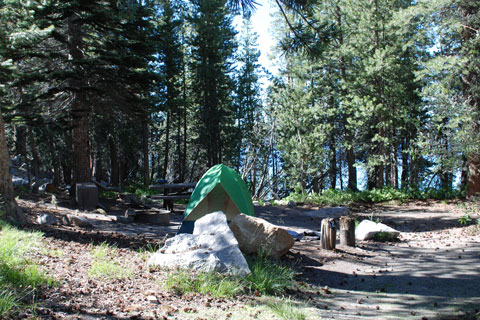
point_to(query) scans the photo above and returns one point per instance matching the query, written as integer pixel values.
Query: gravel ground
(431, 272)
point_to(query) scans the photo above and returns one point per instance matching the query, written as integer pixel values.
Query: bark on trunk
(167, 147)
(10, 210)
(33, 148)
(80, 109)
(55, 162)
(333, 164)
(115, 174)
(146, 167)
(352, 170)
(473, 188)
(405, 166)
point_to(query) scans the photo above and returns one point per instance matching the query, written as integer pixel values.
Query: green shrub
(335, 197)
(112, 195)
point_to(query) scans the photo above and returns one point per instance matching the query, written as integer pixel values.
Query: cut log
(347, 231)
(328, 234)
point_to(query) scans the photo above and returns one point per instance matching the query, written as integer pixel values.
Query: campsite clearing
(430, 273)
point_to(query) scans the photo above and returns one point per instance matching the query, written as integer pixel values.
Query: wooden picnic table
(172, 191)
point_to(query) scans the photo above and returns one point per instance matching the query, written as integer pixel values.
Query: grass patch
(268, 276)
(286, 309)
(182, 281)
(104, 263)
(20, 277)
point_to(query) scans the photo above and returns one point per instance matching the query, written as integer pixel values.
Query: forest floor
(431, 272)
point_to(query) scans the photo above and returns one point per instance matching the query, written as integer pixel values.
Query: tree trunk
(464, 178)
(328, 234)
(10, 211)
(388, 174)
(21, 141)
(470, 10)
(395, 168)
(333, 164)
(115, 173)
(167, 147)
(146, 167)
(405, 166)
(352, 170)
(55, 162)
(33, 148)
(372, 178)
(347, 231)
(80, 110)
(380, 172)
(473, 188)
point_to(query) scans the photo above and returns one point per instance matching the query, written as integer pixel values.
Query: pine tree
(212, 51)
(253, 140)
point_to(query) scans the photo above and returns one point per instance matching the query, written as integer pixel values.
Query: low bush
(335, 197)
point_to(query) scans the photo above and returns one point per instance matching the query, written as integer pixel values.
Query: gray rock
(258, 235)
(79, 221)
(368, 229)
(121, 219)
(152, 299)
(102, 206)
(292, 204)
(19, 181)
(295, 235)
(333, 212)
(130, 213)
(46, 219)
(212, 247)
(211, 224)
(101, 211)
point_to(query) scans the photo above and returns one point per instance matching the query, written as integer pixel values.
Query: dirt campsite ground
(431, 272)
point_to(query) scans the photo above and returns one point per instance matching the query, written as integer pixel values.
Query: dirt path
(431, 272)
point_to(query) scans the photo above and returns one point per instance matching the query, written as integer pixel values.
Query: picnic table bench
(172, 191)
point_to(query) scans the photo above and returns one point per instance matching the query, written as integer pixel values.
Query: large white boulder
(367, 229)
(211, 247)
(255, 234)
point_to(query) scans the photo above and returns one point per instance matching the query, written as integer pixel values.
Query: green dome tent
(220, 189)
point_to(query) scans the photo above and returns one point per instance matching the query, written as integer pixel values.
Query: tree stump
(328, 234)
(347, 231)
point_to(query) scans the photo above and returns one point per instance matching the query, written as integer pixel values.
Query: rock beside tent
(211, 247)
(255, 234)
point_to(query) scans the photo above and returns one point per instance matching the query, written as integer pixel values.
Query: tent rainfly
(220, 189)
